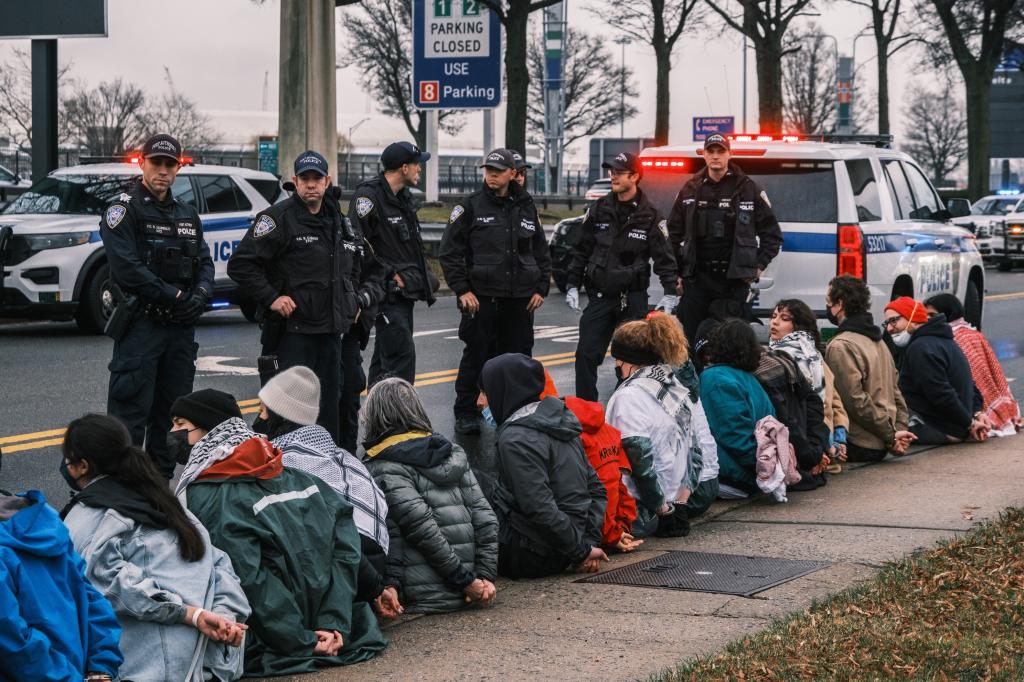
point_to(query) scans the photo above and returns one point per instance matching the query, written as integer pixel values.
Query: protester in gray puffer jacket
(444, 536)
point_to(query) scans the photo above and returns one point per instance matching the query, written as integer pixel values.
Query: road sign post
(709, 125)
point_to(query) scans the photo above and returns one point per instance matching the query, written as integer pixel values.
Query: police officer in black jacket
(156, 253)
(723, 233)
(495, 258)
(298, 262)
(620, 236)
(382, 209)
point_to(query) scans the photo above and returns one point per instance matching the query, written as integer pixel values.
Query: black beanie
(634, 355)
(206, 408)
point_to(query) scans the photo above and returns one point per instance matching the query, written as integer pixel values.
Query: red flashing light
(134, 158)
(763, 137)
(186, 161)
(850, 254)
(672, 164)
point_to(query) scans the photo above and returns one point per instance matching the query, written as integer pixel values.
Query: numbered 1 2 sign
(456, 47)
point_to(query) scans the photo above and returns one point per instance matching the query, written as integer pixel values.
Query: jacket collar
(383, 445)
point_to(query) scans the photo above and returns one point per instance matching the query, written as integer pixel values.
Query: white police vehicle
(846, 205)
(987, 218)
(54, 265)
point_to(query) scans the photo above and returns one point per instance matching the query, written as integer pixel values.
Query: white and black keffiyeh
(800, 347)
(212, 448)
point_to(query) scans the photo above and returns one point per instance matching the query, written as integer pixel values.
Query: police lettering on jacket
(155, 248)
(616, 244)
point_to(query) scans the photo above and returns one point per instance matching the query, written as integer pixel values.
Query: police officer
(495, 258)
(383, 210)
(521, 168)
(157, 255)
(297, 262)
(620, 236)
(724, 235)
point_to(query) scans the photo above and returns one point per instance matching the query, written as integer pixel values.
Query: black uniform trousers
(394, 353)
(353, 383)
(700, 291)
(599, 321)
(501, 325)
(152, 366)
(322, 354)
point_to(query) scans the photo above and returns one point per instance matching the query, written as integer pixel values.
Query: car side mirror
(958, 207)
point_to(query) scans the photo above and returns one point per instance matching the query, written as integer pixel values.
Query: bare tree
(660, 24)
(16, 100)
(591, 87)
(885, 15)
(809, 82)
(381, 32)
(108, 119)
(765, 23)
(179, 116)
(972, 34)
(936, 129)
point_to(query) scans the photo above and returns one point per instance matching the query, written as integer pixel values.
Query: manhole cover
(704, 572)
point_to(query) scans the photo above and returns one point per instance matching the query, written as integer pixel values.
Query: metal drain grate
(705, 572)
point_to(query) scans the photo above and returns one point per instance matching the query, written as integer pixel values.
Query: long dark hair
(104, 442)
(803, 318)
(735, 344)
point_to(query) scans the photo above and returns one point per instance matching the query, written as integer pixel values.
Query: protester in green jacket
(290, 536)
(444, 535)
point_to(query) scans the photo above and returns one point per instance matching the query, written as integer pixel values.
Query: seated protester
(655, 415)
(548, 500)
(290, 537)
(1001, 409)
(603, 444)
(290, 405)
(935, 379)
(734, 402)
(54, 625)
(152, 560)
(444, 535)
(865, 375)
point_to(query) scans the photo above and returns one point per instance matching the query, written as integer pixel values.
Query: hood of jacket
(863, 324)
(590, 414)
(936, 326)
(511, 381)
(31, 530)
(432, 455)
(252, 458)
(549, 416)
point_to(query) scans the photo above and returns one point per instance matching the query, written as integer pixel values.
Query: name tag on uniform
(600, 227)
(637, 234)
(307, 238)
(396, 219)
(159, 229)
(485, 220)
(688, 201)
(702, 204)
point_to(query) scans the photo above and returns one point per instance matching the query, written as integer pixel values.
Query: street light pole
(348, 150)
(744, 128)
(622, 41)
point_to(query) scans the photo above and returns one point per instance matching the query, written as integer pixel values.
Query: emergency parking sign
(456, 55)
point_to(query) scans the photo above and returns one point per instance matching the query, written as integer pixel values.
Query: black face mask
(619, 376)
(831, 317)
(66, 475)
(178, 446)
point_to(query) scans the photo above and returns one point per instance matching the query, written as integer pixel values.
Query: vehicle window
(6, 174)
(71, 194)
(865, 189)
(222, 195)
(995, 206)
(183, 192)
(926, 204)
(899, 190)
(268, 189)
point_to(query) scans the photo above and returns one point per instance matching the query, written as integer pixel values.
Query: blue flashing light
(1007, 192)
(220, 304)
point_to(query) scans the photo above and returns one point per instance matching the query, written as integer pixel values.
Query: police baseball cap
(398, 153)
(521, 164)
(623, 161)
(500, 159)
(310, 161)
(717, 139)
(162, 145)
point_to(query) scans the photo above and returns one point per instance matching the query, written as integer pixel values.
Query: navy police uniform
(156, 252)
(495, 248)
(722, 234)
(618, 240)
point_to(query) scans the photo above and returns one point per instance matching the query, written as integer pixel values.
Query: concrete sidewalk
(556, 629)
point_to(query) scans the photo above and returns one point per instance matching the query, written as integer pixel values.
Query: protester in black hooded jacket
(549, 501)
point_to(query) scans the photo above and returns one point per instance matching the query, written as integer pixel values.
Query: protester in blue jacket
(54, 625)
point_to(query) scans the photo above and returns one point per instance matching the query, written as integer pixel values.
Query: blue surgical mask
(488, 417)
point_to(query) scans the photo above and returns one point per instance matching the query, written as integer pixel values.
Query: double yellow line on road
(45, 439)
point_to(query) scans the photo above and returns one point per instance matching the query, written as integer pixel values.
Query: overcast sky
(218, 54)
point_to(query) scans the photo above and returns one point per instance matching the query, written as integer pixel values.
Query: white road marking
(435, 331)
(214, 365)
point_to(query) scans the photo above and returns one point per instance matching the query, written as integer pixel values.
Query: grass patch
(954, 612)
(550, 215)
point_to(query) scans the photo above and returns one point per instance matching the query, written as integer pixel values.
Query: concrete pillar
(307, 111)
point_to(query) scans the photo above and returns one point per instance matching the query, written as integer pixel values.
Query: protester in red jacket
(602, 443)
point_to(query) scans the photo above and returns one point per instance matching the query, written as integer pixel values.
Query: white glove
(572, 298)
(667, 303)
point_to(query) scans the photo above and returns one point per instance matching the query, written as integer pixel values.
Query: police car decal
(363, 206)
(264, 226)
(456, 212)
(663, 226)
(114, 215)
(764, 197)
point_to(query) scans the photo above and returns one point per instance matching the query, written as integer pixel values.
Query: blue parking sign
(456, 60)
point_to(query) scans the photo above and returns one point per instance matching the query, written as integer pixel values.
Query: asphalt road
(50, 373)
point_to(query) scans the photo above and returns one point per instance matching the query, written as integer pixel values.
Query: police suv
(846, 205)
(53, 261)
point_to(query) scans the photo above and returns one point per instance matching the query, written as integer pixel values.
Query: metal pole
(433, 166)
(44, 108)
(744, 84)
(622, 41)
(489, 132)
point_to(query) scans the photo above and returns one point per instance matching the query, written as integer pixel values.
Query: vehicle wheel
(97, 302)
(1005, 266)
(248, 311)
(972, 305)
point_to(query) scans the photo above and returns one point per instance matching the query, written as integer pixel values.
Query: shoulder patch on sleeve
(663, 226)
(363, 206)
(264, 226)
(114, 215)
(456, 212)
(764, 198)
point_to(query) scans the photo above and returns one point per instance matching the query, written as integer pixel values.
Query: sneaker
(467, 426)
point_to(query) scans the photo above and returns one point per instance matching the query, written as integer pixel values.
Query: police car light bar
(1007, 192)
(676, 164)
(137, 158)
(750, 137)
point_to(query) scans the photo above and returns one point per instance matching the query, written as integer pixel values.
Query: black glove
(188, 309)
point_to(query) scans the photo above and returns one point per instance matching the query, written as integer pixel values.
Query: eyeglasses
(891, 322)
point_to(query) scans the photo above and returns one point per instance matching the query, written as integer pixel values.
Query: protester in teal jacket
(54, 625)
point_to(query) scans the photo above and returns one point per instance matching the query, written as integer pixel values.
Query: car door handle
(940, 242)
(911, 242)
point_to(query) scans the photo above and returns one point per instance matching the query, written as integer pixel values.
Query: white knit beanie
(294, 394)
